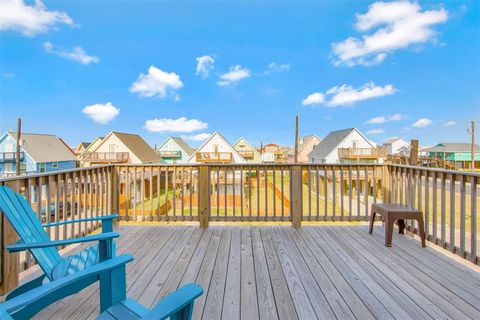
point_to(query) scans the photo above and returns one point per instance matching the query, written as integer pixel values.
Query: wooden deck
(316, 272)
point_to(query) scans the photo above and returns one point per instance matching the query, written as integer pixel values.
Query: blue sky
(80, 69)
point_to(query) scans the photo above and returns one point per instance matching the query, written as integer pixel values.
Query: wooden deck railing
(250, 192)
(214, 157)
(362, 153)
(10, 157)
(169, 154)
(105, 157)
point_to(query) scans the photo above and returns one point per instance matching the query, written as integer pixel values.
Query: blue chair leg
(113, 287)
(184, 314)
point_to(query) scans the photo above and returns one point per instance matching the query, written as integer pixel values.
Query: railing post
(204, 195)
(296, 197)
(115, 192)
(9, 261)
(386, 184)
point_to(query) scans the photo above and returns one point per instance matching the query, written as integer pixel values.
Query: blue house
(38, 153)
(174, 150)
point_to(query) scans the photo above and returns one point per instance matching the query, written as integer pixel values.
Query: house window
(111, 148)
(41, 167)
(215, 148)
(354, 144)
(23, 167)
(55, 165)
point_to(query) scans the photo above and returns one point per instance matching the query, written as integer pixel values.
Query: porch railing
(362, 153)
(249, 192)
(10, 157)
(105, 157)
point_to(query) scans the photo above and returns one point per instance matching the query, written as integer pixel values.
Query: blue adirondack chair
(111, 273)
(34, 238)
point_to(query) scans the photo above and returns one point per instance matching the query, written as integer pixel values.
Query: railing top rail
(439, 170)
(50, 173)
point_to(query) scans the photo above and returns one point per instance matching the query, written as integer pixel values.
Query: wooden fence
(247, 192)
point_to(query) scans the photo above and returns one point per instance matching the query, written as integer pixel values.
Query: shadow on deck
(268, 272)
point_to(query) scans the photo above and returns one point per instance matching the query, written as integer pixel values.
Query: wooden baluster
(204, 195)
(296, 196)
(461, 251)
(452, 213)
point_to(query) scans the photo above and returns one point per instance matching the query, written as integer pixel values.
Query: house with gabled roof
(216, 149)
(460, 154)
(347, 146)
(305, 146)
(38, 153)
(396, 146)
(120, 147)
(175, 150)
(247, 151)
(81, 147)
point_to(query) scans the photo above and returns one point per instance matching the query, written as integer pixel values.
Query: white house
(216, 149)
(346, 146)
(396, 146)
(118, 147)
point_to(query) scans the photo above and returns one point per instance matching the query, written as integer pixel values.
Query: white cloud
(156, 83)
(382, 119)
(274, 67)
(205, 64)
(101, 113)
(77, 54)
(375, 131)
(235, 74)
(449, 123)
(398, 25)
(196, 137)
(347, 95)
(314, 98)
(181, 124)
(396, 117)
(29, 20)
(422, 123)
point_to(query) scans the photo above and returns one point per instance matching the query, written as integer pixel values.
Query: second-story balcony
(170, 154)
(247, 154)
(105, 157)
(362, 153)
(214, 157)
(10, 157)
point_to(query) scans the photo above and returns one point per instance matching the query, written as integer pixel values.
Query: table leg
(388, 231)
(372, 219)
(401, 226)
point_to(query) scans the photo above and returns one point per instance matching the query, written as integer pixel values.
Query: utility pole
(19, 137)
(296, 138)
(473, 146)
(413, 161)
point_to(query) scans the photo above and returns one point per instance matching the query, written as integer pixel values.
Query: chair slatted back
(25, 222)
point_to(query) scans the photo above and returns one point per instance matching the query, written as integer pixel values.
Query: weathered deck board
(278, 272)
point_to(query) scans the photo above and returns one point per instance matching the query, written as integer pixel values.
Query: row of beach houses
(45, 153)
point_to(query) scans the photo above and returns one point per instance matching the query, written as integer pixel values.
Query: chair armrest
(59, 223)
(28, 304)
(174, 302)
(36, 245)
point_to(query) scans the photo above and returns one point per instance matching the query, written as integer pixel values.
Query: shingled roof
(329, 143)
(44, 147)
(182, 144)
(452, 147)
(139, 147)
